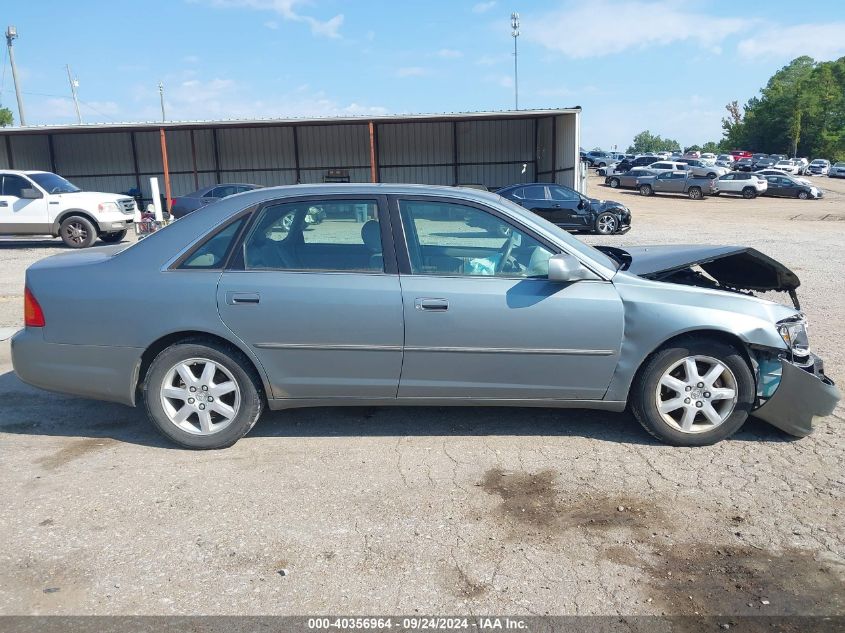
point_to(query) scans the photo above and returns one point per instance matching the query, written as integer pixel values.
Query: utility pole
(12, 34)
(74, 84)
(161, 95)
(515, 34)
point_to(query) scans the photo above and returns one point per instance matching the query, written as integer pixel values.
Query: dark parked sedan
(569, 209)
(628, 180)
(786, 187)
(182, 206)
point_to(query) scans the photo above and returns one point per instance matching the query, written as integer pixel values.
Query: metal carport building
(484, 148)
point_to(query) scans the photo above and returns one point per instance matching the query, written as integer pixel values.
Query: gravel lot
(437, 510)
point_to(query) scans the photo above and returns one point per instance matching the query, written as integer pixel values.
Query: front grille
(127, 205)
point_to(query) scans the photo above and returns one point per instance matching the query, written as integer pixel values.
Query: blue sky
(669, 67)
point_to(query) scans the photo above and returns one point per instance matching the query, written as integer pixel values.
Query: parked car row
(749, 185)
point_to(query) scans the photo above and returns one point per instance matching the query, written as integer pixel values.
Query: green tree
(800, 111)
(6, 117)
(646, 142)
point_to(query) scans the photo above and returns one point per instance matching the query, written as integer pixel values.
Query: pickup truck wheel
(646, 190)
(803, 195)
(614, 183)
(749, 193)
(695, 193)
(694, 393)
(113, 238)
(202, 395)
(606, 224)
(77, 232)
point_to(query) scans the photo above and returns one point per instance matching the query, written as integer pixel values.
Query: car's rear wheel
(77, 232)
(606, 224)
(614, 183)
(803, 195)
(695, 193)
(646, 190)
(113, 238)
(749, 192)
(602, 165)
(202, 395)
(693, 393)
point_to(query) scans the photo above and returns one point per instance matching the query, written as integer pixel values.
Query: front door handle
(242, 298)
(431, 305)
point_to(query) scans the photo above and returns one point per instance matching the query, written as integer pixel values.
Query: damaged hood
(738, 267)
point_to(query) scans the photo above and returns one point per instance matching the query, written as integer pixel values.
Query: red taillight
(33, 315)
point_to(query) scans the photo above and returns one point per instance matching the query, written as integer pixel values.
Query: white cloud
(287, 9)
(584, 30)
(449, 53)
(412, 71)
(483, 7)
(820, 41)
(191, 59)
(503, 81)
(271, 24)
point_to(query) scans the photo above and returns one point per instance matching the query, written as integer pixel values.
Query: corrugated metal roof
(386, 118)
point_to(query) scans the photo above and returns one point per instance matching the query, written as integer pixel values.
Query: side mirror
(31, 194)
(582, 203)
(564, 267)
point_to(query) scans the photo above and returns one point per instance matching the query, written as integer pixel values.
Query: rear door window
(14, 185)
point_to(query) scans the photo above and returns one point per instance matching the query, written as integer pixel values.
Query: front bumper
(802, 396)
(112, 226)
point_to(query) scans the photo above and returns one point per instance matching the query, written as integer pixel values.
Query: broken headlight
(793, 331)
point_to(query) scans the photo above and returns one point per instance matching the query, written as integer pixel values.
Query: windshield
(52, 183)
(565, 237)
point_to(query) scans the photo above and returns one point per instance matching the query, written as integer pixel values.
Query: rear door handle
(431, 305)
(242, 298)
(3, 203)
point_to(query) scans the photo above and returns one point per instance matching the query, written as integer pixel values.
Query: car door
(662, 182)
(19, 214)
(776, 186)
(536, 198)
(728, 183)
(483, 321)
(569, 209)
(320, 304)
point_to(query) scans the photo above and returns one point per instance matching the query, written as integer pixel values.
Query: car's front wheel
(646, 190)
(749, 192)
(803, 195)
(606, 224)
(693, 393)
(614, 183)
(77, 232)
(202, 395)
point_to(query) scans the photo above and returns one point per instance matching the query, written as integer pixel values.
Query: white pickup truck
(43, 203)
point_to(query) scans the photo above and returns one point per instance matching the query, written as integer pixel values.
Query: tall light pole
(515, 34)
(74, 84)
(12, 34)
(161, 96)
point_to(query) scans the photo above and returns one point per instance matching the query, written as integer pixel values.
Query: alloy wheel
(607, 224)
(75, 232)
(200, 396)
(696, 394)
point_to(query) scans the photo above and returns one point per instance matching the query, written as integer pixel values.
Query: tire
(694, 193)
(749, 193)
(77, 231)
(803, 195)
(671, 362)
(113, 238)
(606, 224)
(233, 410)
(614, 183)
(646, 190)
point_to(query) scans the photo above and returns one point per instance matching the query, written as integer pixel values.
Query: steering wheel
(506, 251)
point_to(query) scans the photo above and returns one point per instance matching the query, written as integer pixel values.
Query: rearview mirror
(566, 268)
(31, 194)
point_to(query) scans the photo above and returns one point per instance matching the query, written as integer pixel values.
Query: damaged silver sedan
(397, 298)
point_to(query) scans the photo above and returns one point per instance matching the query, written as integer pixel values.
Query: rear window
(212, 253)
